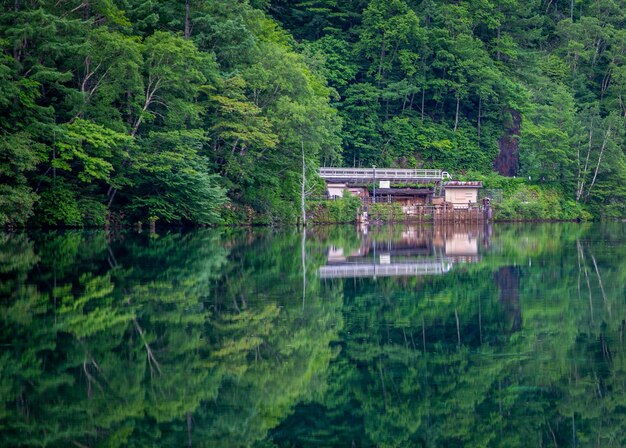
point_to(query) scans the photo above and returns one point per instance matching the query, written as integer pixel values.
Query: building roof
(463, 184)
(404, 191)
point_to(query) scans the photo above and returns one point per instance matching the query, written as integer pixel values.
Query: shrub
(536, 203)
(341, 210)
(386, 212)
(58, 206)
(94, 213)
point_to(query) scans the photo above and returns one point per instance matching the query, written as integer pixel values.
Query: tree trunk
(595, 265)
(480, 106)
(480, 322)
(187, 20)
(136, 126)
(423, 101)
(423, 335)
(607, 135)
(498, 35)
(582, 175)
(132, 133)
(596, 53)
(380, 63)
(606, 82)
(458, 329)
(189, 428)
(456, 118)
(303, 257)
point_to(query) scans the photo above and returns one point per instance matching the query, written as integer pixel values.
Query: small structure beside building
(337, 190)
(461, 194)
(334, 190)
(360, 192)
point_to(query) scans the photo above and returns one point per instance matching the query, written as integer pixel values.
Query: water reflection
(412, 251)
(213, 338)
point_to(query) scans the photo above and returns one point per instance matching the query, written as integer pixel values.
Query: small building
(405, 196)
(337, 190)
(461, 194)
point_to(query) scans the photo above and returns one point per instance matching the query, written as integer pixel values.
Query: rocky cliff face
(507, 162)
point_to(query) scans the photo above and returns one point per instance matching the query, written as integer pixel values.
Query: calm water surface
(507, 336)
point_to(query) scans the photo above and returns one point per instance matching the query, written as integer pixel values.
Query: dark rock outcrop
(507, 162)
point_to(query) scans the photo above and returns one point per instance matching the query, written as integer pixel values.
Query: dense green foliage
(199, 111)
(342, 210)
(434, 83)
(207, 339)
(387, 212)
(110, 111)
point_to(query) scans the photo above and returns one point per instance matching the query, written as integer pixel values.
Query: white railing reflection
(353, 270)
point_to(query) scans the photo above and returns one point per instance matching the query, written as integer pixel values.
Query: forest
(204, 111)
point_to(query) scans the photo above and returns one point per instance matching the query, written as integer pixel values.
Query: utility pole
(374, 166)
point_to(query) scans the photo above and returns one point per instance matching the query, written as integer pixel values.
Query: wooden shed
(462, 194)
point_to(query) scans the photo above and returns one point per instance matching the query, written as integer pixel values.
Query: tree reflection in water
(213, 338)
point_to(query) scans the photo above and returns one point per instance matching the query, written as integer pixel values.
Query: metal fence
(494, 194)
(471, 212)
(371, 174)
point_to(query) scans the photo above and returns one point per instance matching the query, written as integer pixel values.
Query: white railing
(354, 270)
(381, 174)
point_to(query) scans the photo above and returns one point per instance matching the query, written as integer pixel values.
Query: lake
(391, 336)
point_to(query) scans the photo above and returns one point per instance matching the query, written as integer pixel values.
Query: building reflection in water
(416, 250)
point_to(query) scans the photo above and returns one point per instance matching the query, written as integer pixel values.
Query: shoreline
(310, 224)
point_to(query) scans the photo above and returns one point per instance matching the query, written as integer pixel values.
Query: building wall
(335, 190)
(359, 192)
(421, 200)
(460, 197)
